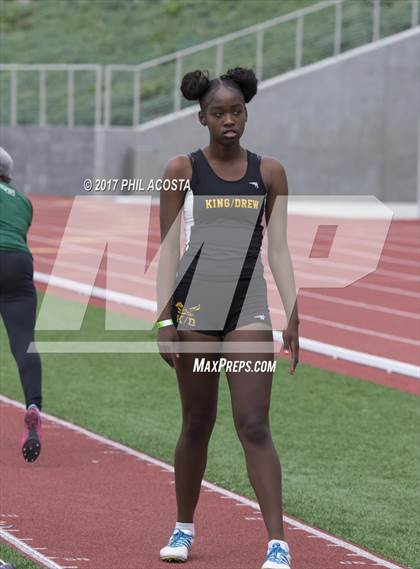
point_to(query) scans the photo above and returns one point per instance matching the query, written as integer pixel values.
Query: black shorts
(16, 275)
(210, 308)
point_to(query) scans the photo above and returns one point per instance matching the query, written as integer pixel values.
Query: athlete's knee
(26, 360)
(19, 352)
(197, 426)
(20, 340)
(253, 430)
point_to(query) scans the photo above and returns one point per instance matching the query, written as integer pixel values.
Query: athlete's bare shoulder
(274, 175)
(178, 170)
(271, 166)
(179, 167)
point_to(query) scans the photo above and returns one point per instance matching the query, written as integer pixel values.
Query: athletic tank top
(223, 223)
(15, 219)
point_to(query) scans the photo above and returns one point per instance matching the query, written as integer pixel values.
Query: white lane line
(213, 487)
(148, 281)
(27, 550)
(150, 305)
(298, 260)
(295, 243)
(369, 240)
(43, 277)
(399, 261)
(121, 276)
(96, 291)
(331, 350)
(358, 330)
(386, 364)
(89, 270)
(387, 289)
(359, 304)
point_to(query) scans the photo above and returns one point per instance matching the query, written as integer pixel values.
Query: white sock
(189, 528)
(282, 543)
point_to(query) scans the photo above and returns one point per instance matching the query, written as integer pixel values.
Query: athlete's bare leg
(250, 396)
(198, 392)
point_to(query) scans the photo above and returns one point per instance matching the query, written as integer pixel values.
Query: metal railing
(138, 96)
(43, 70)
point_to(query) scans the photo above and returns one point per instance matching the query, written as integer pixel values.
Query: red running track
(63, 511)
(377, 314)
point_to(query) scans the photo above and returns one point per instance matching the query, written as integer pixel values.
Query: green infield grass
(9, 555)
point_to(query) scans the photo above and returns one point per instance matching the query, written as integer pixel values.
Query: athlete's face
(225, 115)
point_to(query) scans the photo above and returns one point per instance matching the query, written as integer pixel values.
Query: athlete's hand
(291, 344)
(165, 336)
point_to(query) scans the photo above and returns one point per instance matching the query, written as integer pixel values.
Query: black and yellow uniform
(17, 291)
(220, 281)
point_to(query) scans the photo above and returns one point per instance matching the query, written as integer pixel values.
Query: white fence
(115, 95)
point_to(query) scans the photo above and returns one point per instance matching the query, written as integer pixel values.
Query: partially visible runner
(215, 296)
(18, 301)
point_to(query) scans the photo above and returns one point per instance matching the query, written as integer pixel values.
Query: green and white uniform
(17, 290)
(15, 219)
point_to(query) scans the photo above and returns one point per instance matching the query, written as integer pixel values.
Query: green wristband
(163, 323)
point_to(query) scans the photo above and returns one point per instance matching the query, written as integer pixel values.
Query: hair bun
(194, 84)
(245, 79)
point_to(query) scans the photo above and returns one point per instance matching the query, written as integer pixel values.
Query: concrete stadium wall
(51, 159)
(344, 126)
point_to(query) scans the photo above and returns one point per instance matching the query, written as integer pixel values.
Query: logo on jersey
(8, 190)
(242, 203)
(255, 184)
(186, 315)
(260, 316)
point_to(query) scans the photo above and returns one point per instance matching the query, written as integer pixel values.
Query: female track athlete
(216, 296)
(18, 301)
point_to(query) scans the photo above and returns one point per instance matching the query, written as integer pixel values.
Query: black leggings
(18, 309)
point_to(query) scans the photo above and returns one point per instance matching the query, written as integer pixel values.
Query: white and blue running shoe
(278, 556)
(178, 548)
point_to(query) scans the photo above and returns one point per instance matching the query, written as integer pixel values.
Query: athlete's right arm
(171, 203)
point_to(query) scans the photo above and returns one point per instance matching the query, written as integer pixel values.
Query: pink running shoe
(32, 435)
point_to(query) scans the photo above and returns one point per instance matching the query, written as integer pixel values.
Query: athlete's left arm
(275, 180)
(31, 215)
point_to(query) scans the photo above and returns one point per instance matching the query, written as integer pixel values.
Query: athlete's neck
(223, 152)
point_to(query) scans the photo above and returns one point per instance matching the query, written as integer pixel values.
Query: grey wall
(50, 160)
(347, 126)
